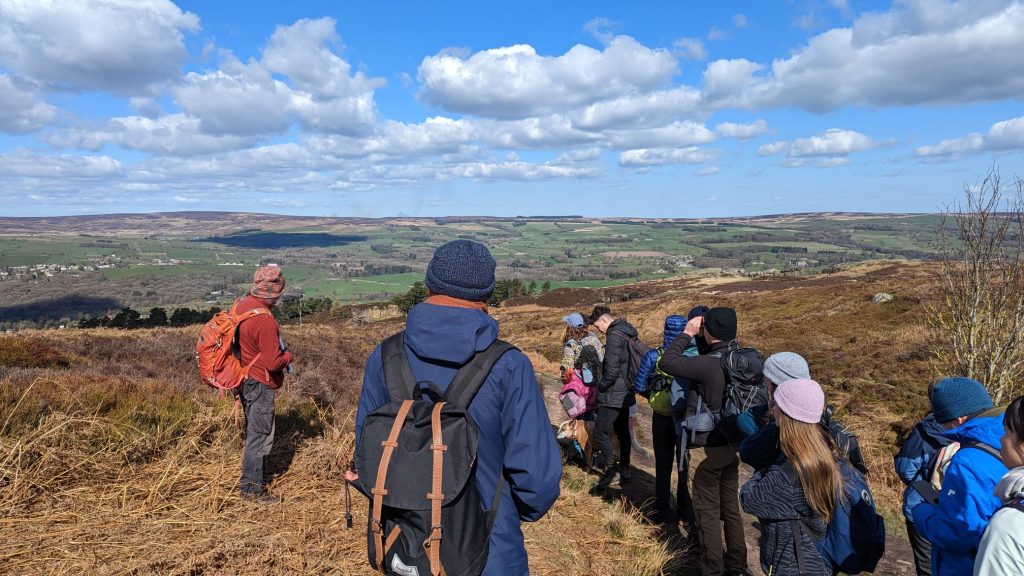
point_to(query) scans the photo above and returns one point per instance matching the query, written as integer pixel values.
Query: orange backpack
(218, 366)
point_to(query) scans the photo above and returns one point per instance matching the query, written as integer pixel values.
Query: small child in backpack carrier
(795, 498)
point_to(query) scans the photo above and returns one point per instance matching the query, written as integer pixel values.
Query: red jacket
(260, 334)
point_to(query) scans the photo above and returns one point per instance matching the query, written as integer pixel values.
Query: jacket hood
(620, 325)
(674, 326)
(932, 432)
(447, 333)
(1011, 487)
(986, 428)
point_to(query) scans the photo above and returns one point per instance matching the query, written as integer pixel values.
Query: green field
(373, 260)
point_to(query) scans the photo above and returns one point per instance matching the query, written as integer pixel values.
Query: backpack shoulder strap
(397, 375)
(984, 448)
(471, 376)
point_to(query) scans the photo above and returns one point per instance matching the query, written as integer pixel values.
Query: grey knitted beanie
(462, 269)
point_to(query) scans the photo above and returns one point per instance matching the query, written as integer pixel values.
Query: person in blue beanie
(515, 437)
(912, 464)
(955, 524)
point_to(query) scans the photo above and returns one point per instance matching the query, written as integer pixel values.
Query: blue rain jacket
(955, 525)
(914, 458)
(515, 433)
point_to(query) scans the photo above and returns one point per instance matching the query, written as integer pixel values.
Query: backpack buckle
(376, 527)
(434, 534)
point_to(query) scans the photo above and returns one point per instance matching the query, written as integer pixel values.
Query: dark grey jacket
(776, 497)
(612, 391)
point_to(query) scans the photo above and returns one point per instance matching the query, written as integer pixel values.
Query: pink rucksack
(576, 397)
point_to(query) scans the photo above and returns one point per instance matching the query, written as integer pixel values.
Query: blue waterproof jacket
(915, 456)
(515, 433)
(955, 525)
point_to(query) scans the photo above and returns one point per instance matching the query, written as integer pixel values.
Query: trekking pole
(280, 341)
(348, 495)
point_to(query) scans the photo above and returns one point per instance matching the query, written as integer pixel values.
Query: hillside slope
(113, 461)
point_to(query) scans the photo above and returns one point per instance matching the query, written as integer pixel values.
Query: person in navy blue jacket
(515, 434)
(957, 522)
(912, 465)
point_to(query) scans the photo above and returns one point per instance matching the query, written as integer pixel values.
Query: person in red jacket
(259, 339)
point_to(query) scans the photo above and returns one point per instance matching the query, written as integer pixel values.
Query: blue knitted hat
(462, 269)
(956, 397)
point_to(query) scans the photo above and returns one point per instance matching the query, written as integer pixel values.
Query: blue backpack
(855, 539)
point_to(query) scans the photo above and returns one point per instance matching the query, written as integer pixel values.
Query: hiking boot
(611, 479)
(625, 475)
(263, 497)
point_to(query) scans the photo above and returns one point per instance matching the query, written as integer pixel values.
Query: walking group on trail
(454, 446)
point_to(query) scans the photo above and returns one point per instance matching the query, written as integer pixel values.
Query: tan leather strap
(391, 538)
(378, 489)
(436, 497)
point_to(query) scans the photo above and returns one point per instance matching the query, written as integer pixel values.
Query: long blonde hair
(810, 450)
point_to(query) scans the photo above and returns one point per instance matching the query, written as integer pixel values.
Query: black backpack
(744, 386)
(417, 463)
(635, 350)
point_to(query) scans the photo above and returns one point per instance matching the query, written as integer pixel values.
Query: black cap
(697, 311)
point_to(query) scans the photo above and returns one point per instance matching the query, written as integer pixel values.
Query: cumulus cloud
(29, 164)
(21, 108)
(709, 171)
(739, 20)
(318, 89)
(921, 52)
(742, 131)
(120, 46)
(660, 156)
(601, 29)
(675, 135)
(1001, 136)
(516, 82)
(834, 142)
(639, 111)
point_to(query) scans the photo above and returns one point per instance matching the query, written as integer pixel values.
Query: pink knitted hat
(802, 400)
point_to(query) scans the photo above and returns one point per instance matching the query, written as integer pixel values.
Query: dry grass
(120, 464)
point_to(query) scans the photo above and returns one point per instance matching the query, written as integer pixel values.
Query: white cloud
(834, 143)
(659, 156)
(121, 46)
(716, 33)
(36, 166)
(602, 29)
(709, 171)
(739, 20)
(21, 109)
(173, 135)
(318, 89)
(1001, 136)
(675, 135)
(639, 111)
(832, 162)
(689, 49)
(516, 82)
(742, 131)
(921, 52)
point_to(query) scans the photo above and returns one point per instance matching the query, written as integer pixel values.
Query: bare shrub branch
(979, 316)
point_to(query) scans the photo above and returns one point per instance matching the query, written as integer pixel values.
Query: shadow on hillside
(56, 308)
(272, 240)
(292, 427)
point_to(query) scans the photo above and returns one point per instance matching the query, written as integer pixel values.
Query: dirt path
(898, 559)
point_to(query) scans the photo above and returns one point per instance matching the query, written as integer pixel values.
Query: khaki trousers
(716, 502)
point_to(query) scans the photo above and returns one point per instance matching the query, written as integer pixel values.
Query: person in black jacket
(716, 478)
(614, 398)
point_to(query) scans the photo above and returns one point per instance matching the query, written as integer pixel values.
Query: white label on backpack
(400, 568)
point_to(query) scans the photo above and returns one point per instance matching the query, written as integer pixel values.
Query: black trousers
(922, 550)
(666, 452)
(607, 420)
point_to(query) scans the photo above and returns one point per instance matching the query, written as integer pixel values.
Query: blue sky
(656, 109)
